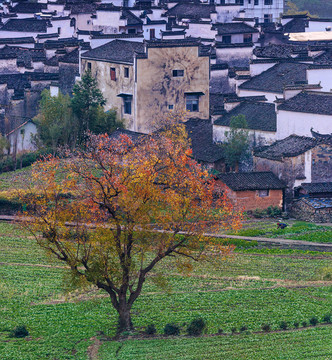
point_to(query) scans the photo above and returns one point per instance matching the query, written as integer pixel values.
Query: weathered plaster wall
(321, 169)
(157, 88)
(110, 88)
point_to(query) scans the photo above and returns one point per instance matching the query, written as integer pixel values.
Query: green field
(246, 290)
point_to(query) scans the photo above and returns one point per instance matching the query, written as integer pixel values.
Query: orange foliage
(116, 209)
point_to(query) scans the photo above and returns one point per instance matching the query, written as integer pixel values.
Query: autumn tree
(237, 141)
(122, 206)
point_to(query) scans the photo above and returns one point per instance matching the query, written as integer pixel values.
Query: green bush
(150, 329)
(233, 330)
(266, 327)
(220, 331)
(304, 324)
(19, 332)
(296, 325)
(196, 327)
(327, 318)
(283, 325)
(313, 321)
(171, 329)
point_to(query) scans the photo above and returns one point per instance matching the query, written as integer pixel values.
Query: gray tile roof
(291, 146)
(284, 51)
(318, 203)
(309, 102)
(259, 116)
(234, 28)
(115, 51)
(314, 188)
(26, 25)
(200, 134)
(251, 181)
(191, 11)
(276, 78)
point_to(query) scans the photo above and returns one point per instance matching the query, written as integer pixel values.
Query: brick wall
(249, 200)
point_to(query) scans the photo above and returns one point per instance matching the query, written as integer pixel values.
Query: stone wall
(302, 211)
(321, 169)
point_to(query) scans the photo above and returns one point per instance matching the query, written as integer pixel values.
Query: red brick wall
(249, 200)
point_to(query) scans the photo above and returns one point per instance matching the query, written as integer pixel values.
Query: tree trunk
(124, 321)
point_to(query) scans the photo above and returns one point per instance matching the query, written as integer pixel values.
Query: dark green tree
(105, 122)
(237, 141)
(55, 122)
(86, 100)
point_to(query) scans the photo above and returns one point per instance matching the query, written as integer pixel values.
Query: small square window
(263, 193)
(227, 39)
(170, 107)
(268, 2)
(178, 73)
(126, 72)
(192, 103)
(256, 2)
(113, 74)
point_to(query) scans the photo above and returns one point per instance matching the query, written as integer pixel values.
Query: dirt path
(300, 244)
(94, 348)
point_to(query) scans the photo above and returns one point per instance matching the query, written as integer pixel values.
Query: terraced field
(249, 289)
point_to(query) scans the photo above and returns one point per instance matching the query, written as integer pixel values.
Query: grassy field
(246, 290)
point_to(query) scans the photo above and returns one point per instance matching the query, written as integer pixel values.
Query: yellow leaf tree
(113, 211)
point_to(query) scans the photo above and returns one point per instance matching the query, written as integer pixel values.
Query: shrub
(296, 325)
(220, 331)
(327, 318)
(243, 328)
(266, 327)
(19, 332)
(171, 329)
(304, 324)
(233, 330)
(283, 325)
(259, 213)
(273, 211)
(313, 321)
(150, 329)
(196, 327)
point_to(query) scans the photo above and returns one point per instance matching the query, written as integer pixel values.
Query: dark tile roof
(115, 51)
(133, 135)
(325, 58)
(20, 40)
(251, 181)
(221, 45)
(314, 188)
(309, 102)
(277, 77)
(29, 7)
(259, 116)
(82, 8)
(26, 25)
(62, 43)
(234, 28)
(132, 19)
(284, 51)
(200, 134)
(70, 58)
(296, 25)
(13, 52)
(217, 104)
(191, 11)
(291, 146)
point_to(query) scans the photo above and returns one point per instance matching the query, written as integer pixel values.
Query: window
(192, 102)
(170, 107)
(127, 105)
(239, 2)
(89, 66)
(263, 193)
(268, 2)
(59, 30)
(152, 34)
(131, 31)
(112, 73)
(247, 38)
(227, 39)
(177, 73)
(126, 72)
(256, 2)
(267, 18)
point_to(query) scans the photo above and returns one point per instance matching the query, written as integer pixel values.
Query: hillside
(322, 8)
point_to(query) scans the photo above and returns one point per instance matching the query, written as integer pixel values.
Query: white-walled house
(320, 74)
(260, 118)
(20, 138)
(307, 110)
